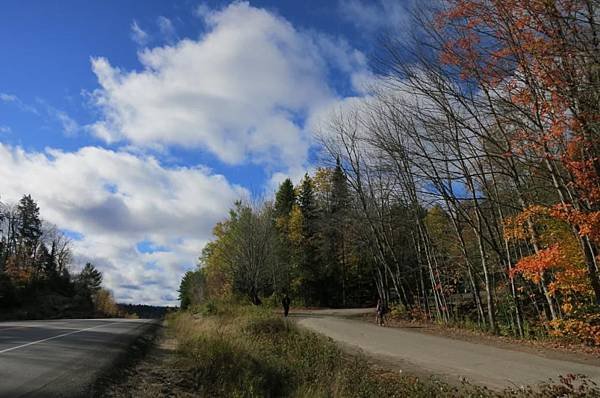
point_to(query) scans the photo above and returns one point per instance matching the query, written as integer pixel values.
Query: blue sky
(136, 124)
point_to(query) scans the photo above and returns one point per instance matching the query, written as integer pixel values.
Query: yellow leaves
(585, 330)
(323, 180)
(295, 225)
(105, 303)
(517, 227)
(588, 223)
(567, 308)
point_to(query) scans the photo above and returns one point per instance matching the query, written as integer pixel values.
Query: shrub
(246, 351)
(219, 367)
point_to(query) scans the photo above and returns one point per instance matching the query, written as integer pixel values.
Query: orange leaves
(533, 267)
(562, 255)
(586, 330)
(517, 227)
(533, 42)
(18, 272)
(588, 223)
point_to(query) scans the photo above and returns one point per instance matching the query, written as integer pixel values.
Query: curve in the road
(493, 367)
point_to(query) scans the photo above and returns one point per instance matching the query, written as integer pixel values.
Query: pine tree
(30, 224)
(284, 199)
(310, 268)
(339, 190)
(308, 206)
(90, 278)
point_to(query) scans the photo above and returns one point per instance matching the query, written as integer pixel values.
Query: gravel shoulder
(490, 364)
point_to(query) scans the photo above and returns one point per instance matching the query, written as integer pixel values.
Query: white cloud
(138, 35)
(16, 101)
(372, 16)
(8, 97)
(166, 28)
(117, 199)
(69, 125)
(5, 130)
(202, 11)
(43, 109)
(241, 91)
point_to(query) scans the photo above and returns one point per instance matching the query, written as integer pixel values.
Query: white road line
(55, 337)
(37, 326)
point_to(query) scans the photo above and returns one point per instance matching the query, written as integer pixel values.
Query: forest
(464, 189)
(36, 270)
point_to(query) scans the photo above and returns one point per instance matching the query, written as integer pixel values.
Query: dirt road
(482, 364)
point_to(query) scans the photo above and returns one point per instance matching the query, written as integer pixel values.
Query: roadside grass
(244, 351)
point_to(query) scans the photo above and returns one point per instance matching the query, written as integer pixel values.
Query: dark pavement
(61, 358)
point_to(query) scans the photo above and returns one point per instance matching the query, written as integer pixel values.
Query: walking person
(286, 304)
(380, 317)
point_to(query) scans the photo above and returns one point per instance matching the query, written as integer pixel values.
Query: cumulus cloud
(241, 91)
(251, 88)
(114, 201)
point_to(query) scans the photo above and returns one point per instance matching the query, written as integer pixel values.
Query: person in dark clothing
(286, 304)
(381, 310)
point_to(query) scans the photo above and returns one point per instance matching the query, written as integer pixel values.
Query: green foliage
(191, 288)
(35, 281)
(220, 367)
(285, 198)
(8, 295)
(30, 224)
(302, 245)
(90, 278)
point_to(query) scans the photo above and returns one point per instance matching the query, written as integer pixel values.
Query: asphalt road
(61, 358)
(482, 364)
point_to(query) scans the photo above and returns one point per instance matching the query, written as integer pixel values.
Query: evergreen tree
(308, 206)
(309, 259)
(30, 224)
(340, 197)
(284, 199)
(46, 263)
(90, 278)
(336, 227)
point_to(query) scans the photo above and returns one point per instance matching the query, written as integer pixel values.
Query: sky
(136, 124)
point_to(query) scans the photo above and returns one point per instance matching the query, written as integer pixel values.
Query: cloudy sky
(136, 124)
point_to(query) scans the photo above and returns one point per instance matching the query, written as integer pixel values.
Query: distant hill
(146, 311)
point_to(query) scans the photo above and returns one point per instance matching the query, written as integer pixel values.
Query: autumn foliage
(539, 59)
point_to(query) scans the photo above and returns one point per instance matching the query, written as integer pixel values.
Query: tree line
(36, 260)
(304, 243)
(466, 186)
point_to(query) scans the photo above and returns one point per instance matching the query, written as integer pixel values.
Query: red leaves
(533, 267)
(587, 223)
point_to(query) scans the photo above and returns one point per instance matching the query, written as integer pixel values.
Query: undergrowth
(242, 351)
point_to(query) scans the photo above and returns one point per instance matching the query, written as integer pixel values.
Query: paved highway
(61, 358)
(482, 364)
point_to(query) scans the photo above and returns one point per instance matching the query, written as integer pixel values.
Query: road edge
(135, 349)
